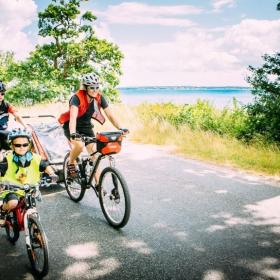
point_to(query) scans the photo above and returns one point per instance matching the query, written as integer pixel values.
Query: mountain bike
(26, 218)
(112, 189)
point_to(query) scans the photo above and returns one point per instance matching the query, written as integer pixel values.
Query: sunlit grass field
(200, 144)
(147, 125)
(211, 147)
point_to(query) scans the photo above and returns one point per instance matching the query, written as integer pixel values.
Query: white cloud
(219, 4)
(252, 38)
(195, 56)
(138, 13)
(201, 56)
(15, 16)
(102, 30)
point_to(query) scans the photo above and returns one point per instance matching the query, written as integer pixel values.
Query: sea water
(218, 96)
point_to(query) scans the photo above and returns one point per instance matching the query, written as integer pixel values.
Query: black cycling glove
(75, 136)
(124, 130)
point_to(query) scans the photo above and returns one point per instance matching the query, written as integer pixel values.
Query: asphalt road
(189, 220)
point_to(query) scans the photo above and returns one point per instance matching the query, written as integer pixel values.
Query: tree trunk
(65, 68)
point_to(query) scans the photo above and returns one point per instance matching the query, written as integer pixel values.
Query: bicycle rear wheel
(12, 228)
(114, 197)
(37, 250)
(74, 186)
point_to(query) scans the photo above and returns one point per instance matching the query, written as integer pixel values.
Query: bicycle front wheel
(74, 186)
(37, 250)
(114, 197)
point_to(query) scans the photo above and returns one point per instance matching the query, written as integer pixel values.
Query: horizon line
(182, 86)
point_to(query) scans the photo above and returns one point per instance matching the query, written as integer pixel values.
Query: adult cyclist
(6, 109)
(86, 104)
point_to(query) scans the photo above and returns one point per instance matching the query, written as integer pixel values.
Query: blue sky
(198, 43)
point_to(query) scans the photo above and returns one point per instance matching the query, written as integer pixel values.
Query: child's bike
(112, 188)
(26, 218)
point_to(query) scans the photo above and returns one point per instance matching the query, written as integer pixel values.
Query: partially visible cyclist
(6, 109)
(86, 104)
(20, 166)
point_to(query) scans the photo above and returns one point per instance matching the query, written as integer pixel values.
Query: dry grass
(211, 147)
(42, 109)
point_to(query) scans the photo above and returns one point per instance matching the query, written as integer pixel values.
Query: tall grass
(205, 133)
(199, 116)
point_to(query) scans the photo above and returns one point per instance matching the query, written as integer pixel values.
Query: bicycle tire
(37, 240)
(110, 197)
(80, 190)
(12, 228)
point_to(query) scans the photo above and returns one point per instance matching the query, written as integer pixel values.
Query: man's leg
(77, 148)
(91, 148)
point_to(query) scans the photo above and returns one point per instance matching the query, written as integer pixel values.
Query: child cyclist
(20, 166)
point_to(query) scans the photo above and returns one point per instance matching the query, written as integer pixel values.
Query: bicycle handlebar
(88, 139)
(77, 136)
(12, 187)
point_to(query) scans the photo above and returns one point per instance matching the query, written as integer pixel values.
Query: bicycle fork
(112, 161)
(115, 190)
(29, 212)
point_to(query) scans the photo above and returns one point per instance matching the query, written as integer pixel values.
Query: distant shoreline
(185, 87)
(218, 96)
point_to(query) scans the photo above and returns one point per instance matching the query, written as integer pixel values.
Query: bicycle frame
(95, 162)
(20, 212)
(24, 208)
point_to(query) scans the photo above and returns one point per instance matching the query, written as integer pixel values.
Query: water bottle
(88, 168)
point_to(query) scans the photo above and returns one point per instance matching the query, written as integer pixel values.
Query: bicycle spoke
(38, 250)
(114, 198)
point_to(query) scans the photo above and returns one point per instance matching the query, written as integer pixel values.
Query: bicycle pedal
(69, 181)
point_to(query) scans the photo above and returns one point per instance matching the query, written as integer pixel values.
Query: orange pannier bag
(108, 143)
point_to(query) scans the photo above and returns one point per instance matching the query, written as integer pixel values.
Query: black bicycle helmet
(2, 87)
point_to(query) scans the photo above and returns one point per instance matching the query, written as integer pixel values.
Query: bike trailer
(49, 141)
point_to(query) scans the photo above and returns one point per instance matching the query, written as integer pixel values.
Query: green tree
(53, 69)
(264, 112)
(6, 60)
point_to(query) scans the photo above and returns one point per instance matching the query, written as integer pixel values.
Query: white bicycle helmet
(90, 79)
(18, 132)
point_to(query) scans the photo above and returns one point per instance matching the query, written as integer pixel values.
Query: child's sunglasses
(21, 145)
(2, 93)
